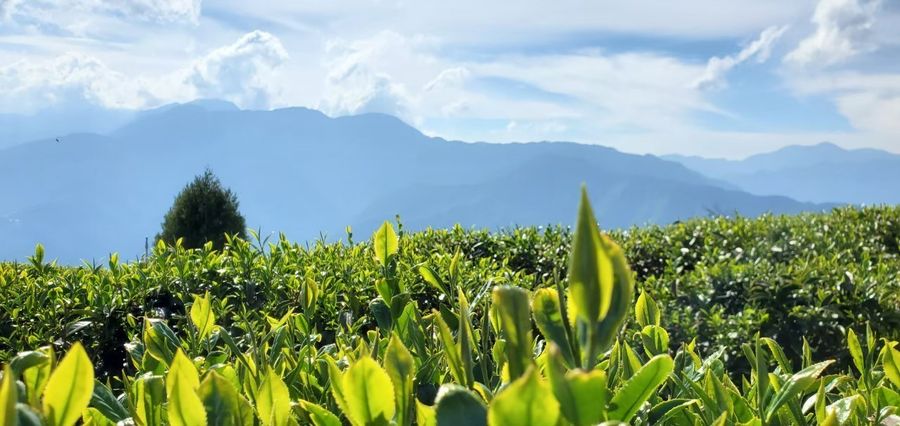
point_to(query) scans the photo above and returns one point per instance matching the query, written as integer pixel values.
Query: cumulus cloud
(358, 80)
(843, 29)
(71, 79)
(241, 72)
(760, 49)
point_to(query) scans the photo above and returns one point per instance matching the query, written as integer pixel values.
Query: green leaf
(795, 385)
(202, 315)
(515, 319)
(184, 406)
(844, 407)
(581, 394)
(451, 352)
(93, 417)
(590, 269)
(427, 416)
(273, 401)
(669, 408)
(223, 405)
(318, 415)
(386, 243)
(369, 393)
(159, 341)
(336, 383)
(548, 317)
(589, 389)
(856, 351)
(432, 278)
(149, 395)
(655, 340)
(457, 405)
(640, 387)
(891, 364)
(401, 368)
(107, 404)
(69, 388)
(761, 368)
(8, 398)
(181, 371)
(527, 401)
(37, 374)
(778, 354)
(646, 311)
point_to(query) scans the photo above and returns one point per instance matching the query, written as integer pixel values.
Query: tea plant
(579, 351)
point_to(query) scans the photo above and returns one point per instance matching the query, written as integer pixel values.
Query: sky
(697, 77)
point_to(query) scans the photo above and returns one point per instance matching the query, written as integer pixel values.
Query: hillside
(818, 173)
(300, 172)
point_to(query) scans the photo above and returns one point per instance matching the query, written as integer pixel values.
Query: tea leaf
(369, 393)
(69, 388)
(527, 401)
(639, 388)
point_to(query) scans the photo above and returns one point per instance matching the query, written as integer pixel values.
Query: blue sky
(647, 76)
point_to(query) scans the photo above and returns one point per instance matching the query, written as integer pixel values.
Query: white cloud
(157, 10)
(68, 80)
(63, 13)
(843, 29)
(717, 67)
(7, 7)
(241, 72)
(869, 101)
(450, 77)
(356, 82)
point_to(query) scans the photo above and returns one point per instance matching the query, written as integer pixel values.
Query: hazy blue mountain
(59, 121)
(298, 171)
(816, 173)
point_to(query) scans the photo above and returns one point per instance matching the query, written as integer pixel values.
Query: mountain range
(298, 171)
(815, 173)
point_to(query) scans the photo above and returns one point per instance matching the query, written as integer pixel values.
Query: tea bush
(579, 351)
(720, 280)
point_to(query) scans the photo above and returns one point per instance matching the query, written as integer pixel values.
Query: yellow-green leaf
(368, 393)
(8, 397)
(202, 315)
(93, 417)
(273, 401)
(182, 370)
(69, 388)
(318, 415)
(527, 401)
(385, 242)
(426, 415)
(640, 387)
(184, 406)
(646, 311)
(891, 360)
(223, 405)
(547, 314)
(590, 269)
(515, 318)
(401, 368)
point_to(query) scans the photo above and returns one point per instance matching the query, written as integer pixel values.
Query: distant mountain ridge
(299, 171)
(816, 173)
